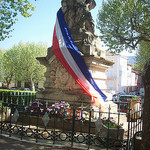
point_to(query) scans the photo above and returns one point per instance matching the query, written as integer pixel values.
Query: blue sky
(39, 27)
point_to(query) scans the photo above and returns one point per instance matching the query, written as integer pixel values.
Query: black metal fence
(17, 98)
(88, 129)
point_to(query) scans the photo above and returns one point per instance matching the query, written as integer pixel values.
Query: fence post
(89, 133)
(28, 99)
(37, 124)
(1, 117)
(22, 118)
(128, 138)
(108, 127)
(54, 132)
(118, 121)
(11, 112)
(73, 126)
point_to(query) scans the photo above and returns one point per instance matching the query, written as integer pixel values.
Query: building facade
(121, 77)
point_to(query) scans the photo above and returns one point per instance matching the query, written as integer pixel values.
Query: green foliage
(142, 55)
(8, 66)
(8, 14)
(17, 97)
(124, 23)
(135, 98)
(1, 65)
(14, 91)
(20, 63)
(110, 124)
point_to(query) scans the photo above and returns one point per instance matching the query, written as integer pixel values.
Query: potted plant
(134, 102)
(111, 129)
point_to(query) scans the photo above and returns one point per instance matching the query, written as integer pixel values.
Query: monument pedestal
(72, 97)
(61, 86)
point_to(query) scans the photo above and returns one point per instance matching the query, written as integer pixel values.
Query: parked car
(14, 88)
(142, 91)
(39, 89)
(115, 97)
(3, 87)
(24, 89)
(123, 103)
(134, 93)
(124, 98)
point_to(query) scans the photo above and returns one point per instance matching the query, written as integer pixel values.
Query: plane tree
(20, 63)
(123, 25)
(9, 10)
(1, 65)
(142, 56)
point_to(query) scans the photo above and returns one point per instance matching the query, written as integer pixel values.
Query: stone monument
(59, 84)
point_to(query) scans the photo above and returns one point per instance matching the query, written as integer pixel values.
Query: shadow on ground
(7, 143)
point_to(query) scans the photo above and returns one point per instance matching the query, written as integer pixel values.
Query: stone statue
(59, 84)
(77, 15)
(80, 24)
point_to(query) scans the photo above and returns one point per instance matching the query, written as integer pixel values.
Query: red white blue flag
(69, 56)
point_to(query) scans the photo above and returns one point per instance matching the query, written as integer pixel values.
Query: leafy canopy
(20, 63)
(124, 23)
(1, 65)
(9, 9)
(142, 55)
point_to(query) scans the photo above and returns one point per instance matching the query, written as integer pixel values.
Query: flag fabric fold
(69, 56)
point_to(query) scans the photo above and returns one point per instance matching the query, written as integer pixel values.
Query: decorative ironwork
(98, 124)
(63, 136)
(29, 132)
(45, 134)
(56, 130)
(15, 116)
(45, 119)
(15, 129)
(80, 138)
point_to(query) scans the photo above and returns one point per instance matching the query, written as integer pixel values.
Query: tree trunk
(7, 83)
(146, 112)
(32, 84)
(8, 80)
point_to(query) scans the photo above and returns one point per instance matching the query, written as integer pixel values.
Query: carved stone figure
(60, 78)
(77, 15)
(80, 24)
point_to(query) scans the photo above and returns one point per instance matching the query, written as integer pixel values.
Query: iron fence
(12, 98)
(87, 132)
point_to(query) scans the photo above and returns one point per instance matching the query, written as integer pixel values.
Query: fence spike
(11, 101)
(17, 97)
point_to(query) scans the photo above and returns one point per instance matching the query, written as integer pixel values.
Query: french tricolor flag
(69, 56)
